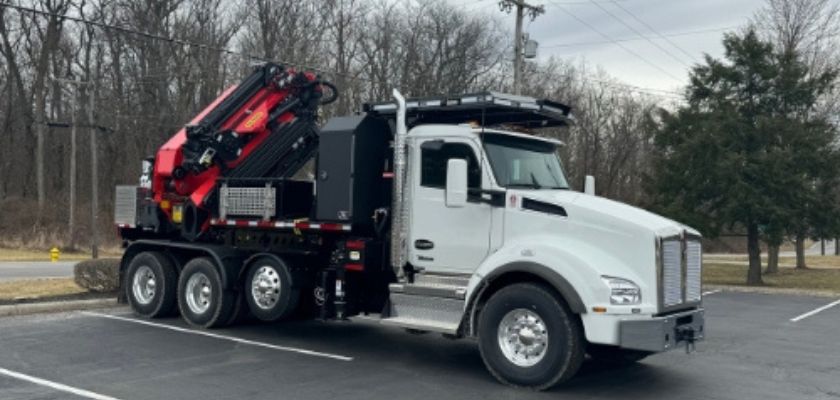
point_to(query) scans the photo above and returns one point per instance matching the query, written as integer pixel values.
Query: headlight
(622, 291)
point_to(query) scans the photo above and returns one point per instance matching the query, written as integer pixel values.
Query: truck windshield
(524, 163)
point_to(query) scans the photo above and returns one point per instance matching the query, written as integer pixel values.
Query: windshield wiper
(534, 180)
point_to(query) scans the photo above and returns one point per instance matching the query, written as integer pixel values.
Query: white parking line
(711, 292)
(55, 385)
(222, 337)
(815, 311)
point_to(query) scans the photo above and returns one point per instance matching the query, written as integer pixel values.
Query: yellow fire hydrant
(54, 253)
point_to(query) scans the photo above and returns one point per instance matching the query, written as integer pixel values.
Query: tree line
(151, 65)
(148, 66)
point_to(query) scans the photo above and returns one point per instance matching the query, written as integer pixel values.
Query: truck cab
(490, 210)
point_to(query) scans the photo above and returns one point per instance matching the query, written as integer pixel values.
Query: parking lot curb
(56, 306)
(772, 290)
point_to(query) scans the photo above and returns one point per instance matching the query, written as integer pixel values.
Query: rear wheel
(150, 285)
(528, 337)
(269, 289)
(202, 299)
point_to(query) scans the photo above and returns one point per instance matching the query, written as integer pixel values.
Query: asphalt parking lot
(758, 347)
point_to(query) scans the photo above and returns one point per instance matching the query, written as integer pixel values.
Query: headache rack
(485, 109)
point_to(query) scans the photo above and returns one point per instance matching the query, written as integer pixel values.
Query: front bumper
(662, 333)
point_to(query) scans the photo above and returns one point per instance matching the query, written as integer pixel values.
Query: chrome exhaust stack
(398, 209)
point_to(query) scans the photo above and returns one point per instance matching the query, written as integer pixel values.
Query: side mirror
(456, 183)
(589, 185)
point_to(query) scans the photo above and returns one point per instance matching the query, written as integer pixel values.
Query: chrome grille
(672, 289)
(693, 270)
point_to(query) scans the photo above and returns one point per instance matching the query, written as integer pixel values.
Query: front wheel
(528, 337)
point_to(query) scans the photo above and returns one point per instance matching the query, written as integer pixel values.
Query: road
(755, 350)
(15, 270)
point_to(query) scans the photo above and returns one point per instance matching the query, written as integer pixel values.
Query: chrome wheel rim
(265, 287)
(199, 293)
(523, 337)
(144, 285)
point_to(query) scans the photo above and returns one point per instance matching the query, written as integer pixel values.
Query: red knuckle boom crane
(265, 126)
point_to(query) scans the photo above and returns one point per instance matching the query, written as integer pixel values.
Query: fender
(552, 277)
(557, 281)
(226, 260)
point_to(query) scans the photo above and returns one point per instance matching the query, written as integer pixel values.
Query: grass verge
(39, 288)
(786, 278)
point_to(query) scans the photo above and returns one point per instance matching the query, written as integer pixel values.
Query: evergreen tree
(746, 151)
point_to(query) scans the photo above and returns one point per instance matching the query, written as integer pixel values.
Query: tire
(554, 349)
(151, 284)
(203, 301)
(269, 289)
(613, 355)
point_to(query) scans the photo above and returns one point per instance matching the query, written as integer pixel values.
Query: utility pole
(72, 210)
(94, 178)
(94, 173)
(521, 8)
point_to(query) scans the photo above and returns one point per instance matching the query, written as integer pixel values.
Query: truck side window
(435, 158)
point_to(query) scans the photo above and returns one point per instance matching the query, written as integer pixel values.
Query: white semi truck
(431, 214)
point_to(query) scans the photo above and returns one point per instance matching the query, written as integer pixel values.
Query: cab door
(441, 238)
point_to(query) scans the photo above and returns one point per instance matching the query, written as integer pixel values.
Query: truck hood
(604, 211)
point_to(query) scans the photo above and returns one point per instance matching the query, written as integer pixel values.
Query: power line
(664, 50)
(632, 39)
(639, 89)
(656, 32)
(142, 119)
(605, 36)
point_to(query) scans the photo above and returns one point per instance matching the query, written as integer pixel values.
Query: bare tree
(807, 27)
(39, 52)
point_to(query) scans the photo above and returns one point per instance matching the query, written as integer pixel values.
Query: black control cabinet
(351, 157)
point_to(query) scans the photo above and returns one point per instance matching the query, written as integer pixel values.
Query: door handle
(423, 244)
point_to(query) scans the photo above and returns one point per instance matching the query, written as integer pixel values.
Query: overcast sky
(696, 24)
